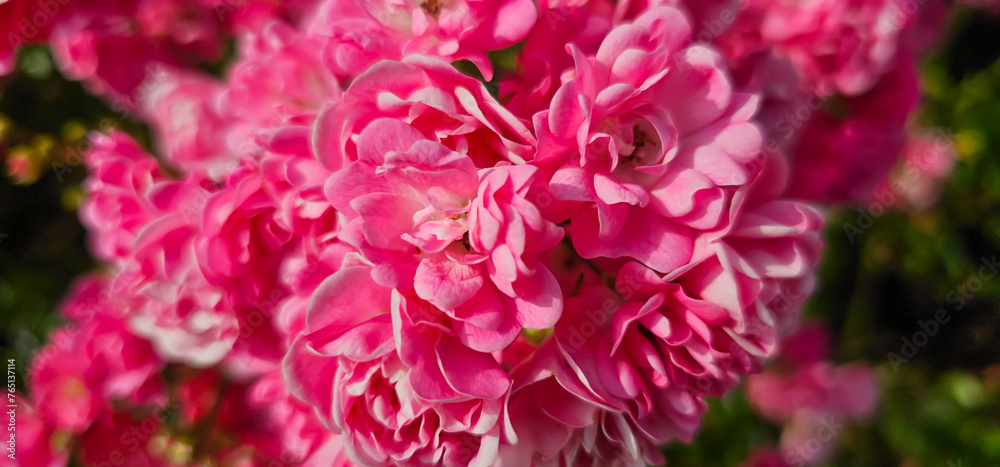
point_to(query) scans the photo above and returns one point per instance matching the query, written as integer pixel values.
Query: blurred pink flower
(189, 114)
(91, 362)
(836, 46)
(147, 226)
(357, 34)
(302, 438)
(209, 126)
(127, 438)
(811, 397)
(185, 24)
(22, 166)
(120, 190)
(278, 78)
(841, 158)
(259, 211)
(848, 391)
(13, 14)
(926, 159)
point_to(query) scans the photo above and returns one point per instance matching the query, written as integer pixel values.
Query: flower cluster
(104, 396)
(351, 252)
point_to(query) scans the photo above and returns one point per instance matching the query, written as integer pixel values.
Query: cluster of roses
(354, 253)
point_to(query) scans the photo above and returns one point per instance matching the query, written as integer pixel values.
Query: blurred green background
(940, 408)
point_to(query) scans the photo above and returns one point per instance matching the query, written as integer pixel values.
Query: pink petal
(383, 136)
(445, 283)
(652, 240)
(539, 301)
(345, 299)
(469, 372)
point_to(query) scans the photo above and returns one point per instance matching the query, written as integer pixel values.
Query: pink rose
(266, 214)
(188, 111)
(457, 237)
(278, 78)
(842, 46)
(123, 179)
(432, 97)
(90, 363)
(650, 137)
(414, 394)
(560, 420)
(359, 34)
(170, 300)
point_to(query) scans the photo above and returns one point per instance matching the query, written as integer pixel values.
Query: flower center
(643, 149)
(73, 388)
(438, 227)
(639, 140)
(431, 7)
